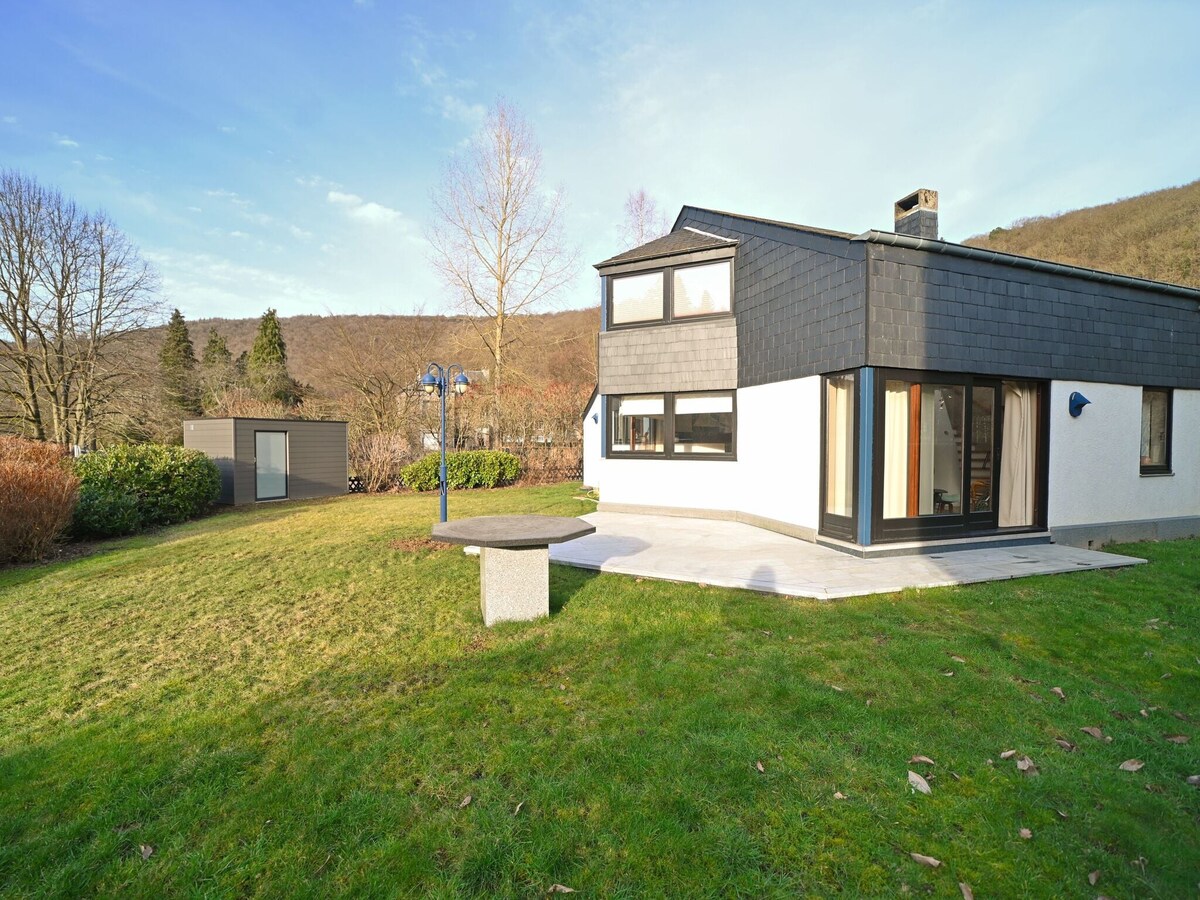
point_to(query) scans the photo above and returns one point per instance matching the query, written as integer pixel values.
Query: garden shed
(272, 459)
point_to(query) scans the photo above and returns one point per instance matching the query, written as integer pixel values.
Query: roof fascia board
(678, 258)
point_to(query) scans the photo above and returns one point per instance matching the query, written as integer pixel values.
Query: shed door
(270, 465)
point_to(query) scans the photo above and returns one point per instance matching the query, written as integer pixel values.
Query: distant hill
(1155, 235)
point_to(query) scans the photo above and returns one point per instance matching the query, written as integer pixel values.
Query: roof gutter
(1025, 262)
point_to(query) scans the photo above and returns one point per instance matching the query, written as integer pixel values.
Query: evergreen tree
(266, 366)
(218, 372)
(177, 364)
(216, 351)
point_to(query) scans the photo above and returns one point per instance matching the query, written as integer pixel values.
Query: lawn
(277, 702)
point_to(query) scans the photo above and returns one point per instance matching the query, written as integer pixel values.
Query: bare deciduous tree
(644, 221)
(497, 239)
(72, 289)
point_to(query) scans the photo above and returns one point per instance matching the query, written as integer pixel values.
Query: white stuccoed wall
(591, 444)
(776, 474)
(1094, 459)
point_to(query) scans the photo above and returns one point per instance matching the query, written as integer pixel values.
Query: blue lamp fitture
(441, 379)
(1076, 402)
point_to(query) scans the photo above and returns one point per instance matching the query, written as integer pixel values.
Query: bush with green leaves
(124, 489)
(464, 469)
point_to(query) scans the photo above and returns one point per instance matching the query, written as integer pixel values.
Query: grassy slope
(1155, 235)
(280, 704)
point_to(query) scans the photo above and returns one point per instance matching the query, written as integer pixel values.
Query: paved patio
(730, 554)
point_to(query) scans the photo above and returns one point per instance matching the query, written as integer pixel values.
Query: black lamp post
(443, 380)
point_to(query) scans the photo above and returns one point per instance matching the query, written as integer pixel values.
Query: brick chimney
(916, 214)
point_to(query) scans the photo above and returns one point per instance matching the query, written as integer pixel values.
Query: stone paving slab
(732, 554)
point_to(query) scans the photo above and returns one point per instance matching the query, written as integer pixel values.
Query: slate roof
(685, 240)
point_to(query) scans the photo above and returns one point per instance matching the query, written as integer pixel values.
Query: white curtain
(839, 468)
(1018, 465)
(895, 449)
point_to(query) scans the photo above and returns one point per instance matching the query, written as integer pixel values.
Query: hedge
(464, 469)
(125, 489)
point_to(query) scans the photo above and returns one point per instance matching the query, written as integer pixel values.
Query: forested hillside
(1155, 235)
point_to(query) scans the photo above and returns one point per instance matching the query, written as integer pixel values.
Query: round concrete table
(514, 560)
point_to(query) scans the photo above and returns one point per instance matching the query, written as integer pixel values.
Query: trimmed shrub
(149, 484)
(37, 496)
(464, 469)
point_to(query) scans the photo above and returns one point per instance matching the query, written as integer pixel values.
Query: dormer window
(670, 294)
(701, 290)
(637, 298)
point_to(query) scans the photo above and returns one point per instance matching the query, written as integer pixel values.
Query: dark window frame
(965, 523)
(830, 524)
(668, 310)
(1165, 467)
(668, 451)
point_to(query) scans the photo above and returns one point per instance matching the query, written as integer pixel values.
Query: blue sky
(283, 154)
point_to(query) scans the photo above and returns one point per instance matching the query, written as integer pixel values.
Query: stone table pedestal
(514, 560)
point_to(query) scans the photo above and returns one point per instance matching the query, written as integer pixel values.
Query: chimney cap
(922, 198)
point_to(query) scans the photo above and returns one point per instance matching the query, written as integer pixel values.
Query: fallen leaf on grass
(758, 765)
(967, 893)
(1194, 780)
(926, 860)
(922, 759)
(1062, 815)
(1065, 744)
(1145, 715)
(1093, 731)
(838, 689)
(1025, 833)
(948, 674)
(957, 659)
(919, 783)
(1008, 754)
(1165, 676)
(518, 809)
(146, 850)
(1025, 764)
(1154, 788)
(1131, 765)
(838, 795)
(1176, 738)
(466, 801)
(560, 889)
(1093, 877)
(1058, 692)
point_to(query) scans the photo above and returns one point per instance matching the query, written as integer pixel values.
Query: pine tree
(177, 363)
(266, 366)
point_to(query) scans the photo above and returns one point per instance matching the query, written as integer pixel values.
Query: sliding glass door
(940, 448)
(839, 413)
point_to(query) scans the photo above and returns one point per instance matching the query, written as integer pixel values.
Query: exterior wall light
(1075, 404)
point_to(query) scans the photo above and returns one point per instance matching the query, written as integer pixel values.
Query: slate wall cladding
(959, 315)
(799, 298)
(683, 356)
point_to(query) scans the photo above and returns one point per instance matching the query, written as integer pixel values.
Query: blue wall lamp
(1076, 402)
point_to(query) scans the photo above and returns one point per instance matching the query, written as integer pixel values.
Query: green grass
(279, 704)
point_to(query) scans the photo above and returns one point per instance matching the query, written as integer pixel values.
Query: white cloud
(226, 129)
(195, 209)
(458, 110)
(240, 235)
(10, 120)
(232, 196)
(64, 141)
(299, 233)
(365, 210)
(100, 157)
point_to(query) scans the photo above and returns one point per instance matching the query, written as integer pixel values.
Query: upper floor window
(701, 290)
(671, 293)
(1156, 431)
(637, 298)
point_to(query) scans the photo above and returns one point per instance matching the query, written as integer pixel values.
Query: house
(273, 459)
(892, 390)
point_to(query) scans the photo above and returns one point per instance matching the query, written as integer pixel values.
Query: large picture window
(1156, 431)
(682, 426)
